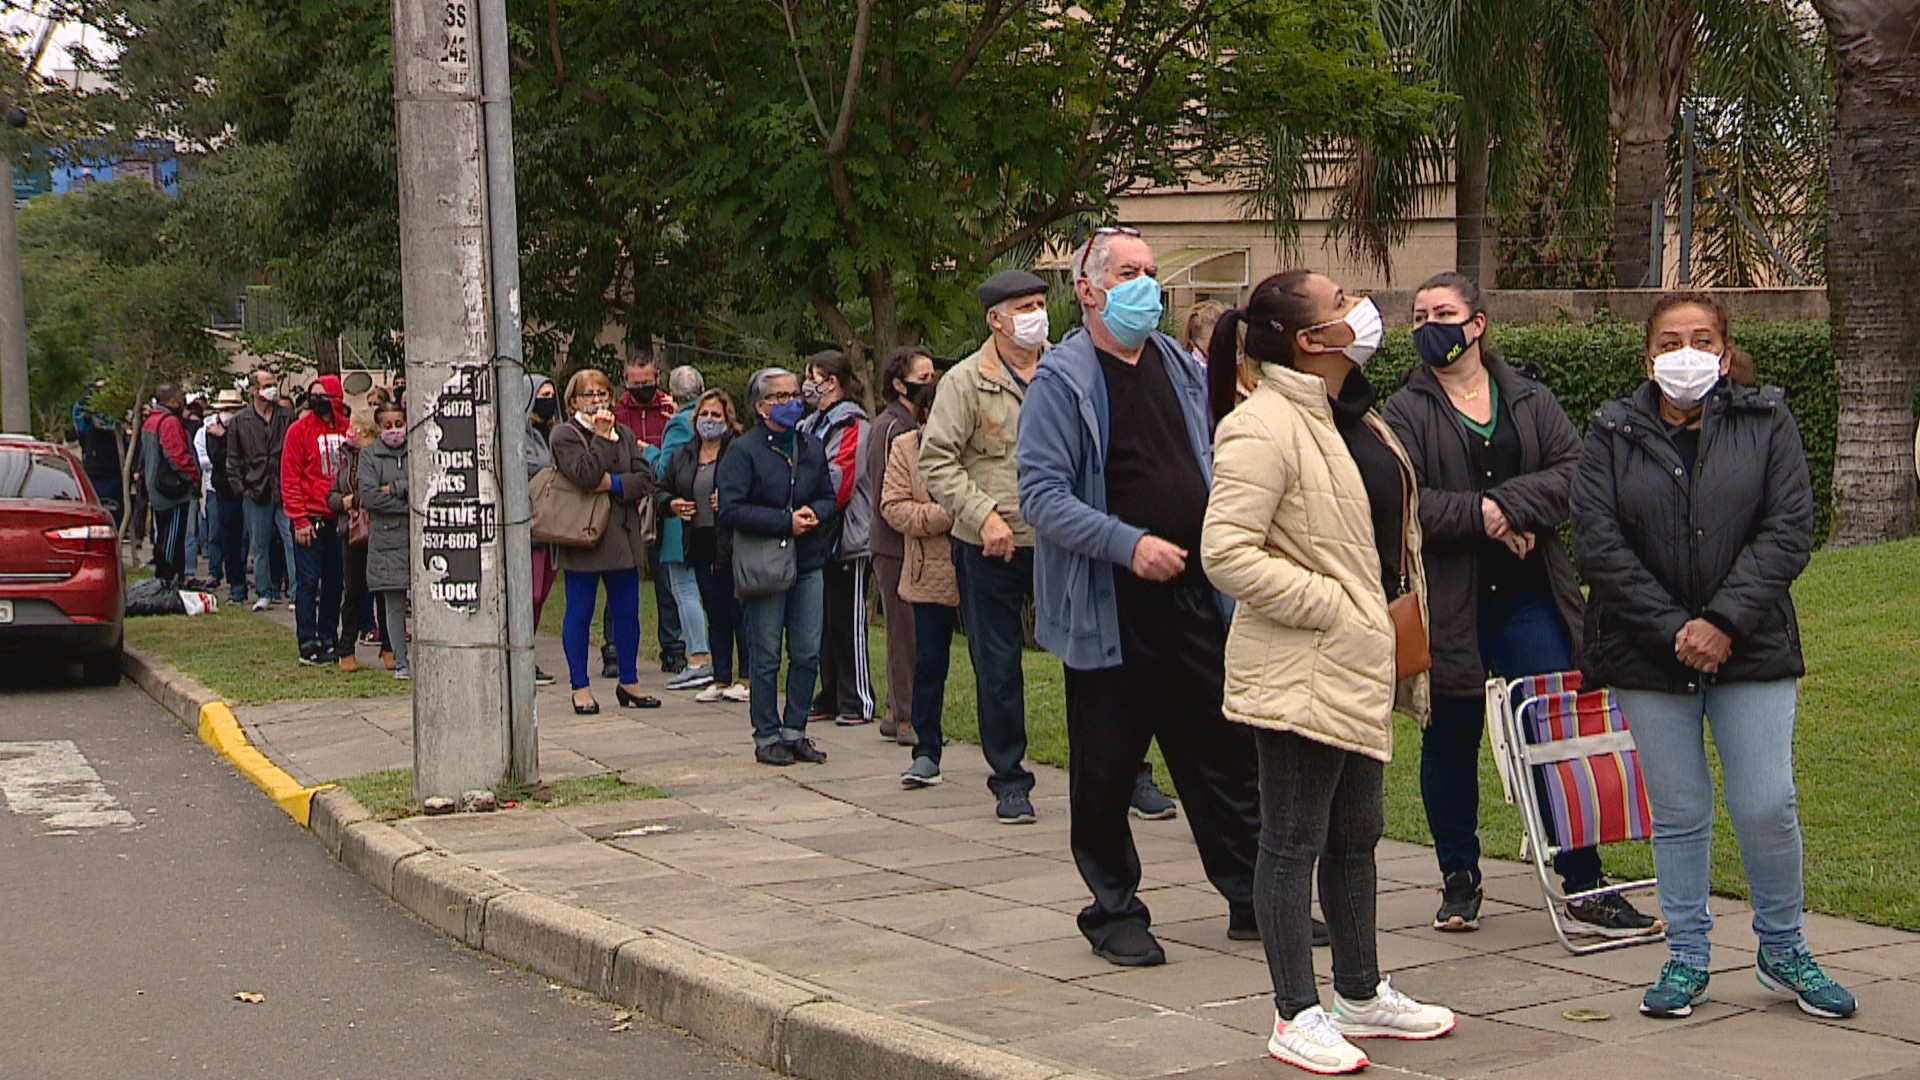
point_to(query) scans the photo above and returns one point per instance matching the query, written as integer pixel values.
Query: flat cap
(1008, 284)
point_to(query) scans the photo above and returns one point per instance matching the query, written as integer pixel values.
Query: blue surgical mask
(787, 414)
(1133, 311)
(710, 429)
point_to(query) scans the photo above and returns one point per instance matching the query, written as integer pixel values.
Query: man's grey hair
(757, 385)
(1091, 261)
(686, 384)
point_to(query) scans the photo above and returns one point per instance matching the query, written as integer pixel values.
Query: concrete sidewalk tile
(993, 868)
(1766, 1046)
(1477, 1048)
(710, 997)
(927, 906)
(1033, 1011)
(1254, 1068)
(674, 901)
(331, 812)
(446, 894)
(370, 849)
(566, 765)
(1060, 885)
(870, 885)
(1186, 981)
(564, 866)
(861, 835)
(1481, 985)
(988, 929)
(558, 941)
(1634, 1061)
(902, 983)
(975, 807)
(1742, 987)
(1899, 960)
(1508, 932)
(471, 834)
(1890, 1008)
(1056, 958)
(1416, 948)
(1826, 934)
(830, 947)
(917, 855)
(831, 1041)
(1634, 966)
(1143, 1046)
(1181, 903)
(1183, 871)
(769, 803)
(1252, 1014)
(1623, 1005)
(1209, 933)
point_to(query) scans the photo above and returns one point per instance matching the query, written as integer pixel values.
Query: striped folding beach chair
(1567, 760)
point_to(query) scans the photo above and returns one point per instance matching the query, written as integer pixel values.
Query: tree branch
(799, 64)
(553, 41)
(856, 62)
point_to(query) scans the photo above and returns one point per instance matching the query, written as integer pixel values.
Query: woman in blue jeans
(1495, 455)
(691, 480)
(1692, 516)
(598, 454)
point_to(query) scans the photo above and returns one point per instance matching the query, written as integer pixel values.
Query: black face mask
(643, 392)
(322, 408)
(920, 395)
(545, 409)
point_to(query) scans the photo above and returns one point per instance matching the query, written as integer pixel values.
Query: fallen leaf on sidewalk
(249, 997)
(1586, 1016)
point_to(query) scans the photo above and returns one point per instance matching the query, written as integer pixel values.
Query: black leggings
(1317, 802)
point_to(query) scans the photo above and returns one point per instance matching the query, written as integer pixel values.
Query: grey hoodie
(536, 451)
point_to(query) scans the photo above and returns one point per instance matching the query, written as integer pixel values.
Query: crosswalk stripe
(52, 779)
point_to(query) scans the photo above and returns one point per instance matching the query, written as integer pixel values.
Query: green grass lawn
(388, 795)
(248, 658)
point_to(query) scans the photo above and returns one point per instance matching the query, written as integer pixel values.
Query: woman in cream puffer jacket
(1310, 527)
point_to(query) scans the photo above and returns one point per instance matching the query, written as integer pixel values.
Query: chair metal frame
(1515, 754)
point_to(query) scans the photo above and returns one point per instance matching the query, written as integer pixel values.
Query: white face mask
(1685, 375)
(1367, 326)
(271, 394)
(1030, 328)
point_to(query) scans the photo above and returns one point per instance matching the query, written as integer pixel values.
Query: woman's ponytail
(1223, 364)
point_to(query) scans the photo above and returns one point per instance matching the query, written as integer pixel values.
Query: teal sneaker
(1681, 987)
(1801, 979)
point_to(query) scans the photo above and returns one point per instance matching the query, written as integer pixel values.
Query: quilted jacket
(926, 573)
(1289, 536)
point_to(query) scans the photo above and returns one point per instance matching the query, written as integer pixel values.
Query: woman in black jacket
(1495, 455)
(691, 483)
(1692, 516)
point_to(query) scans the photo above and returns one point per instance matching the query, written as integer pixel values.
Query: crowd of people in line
(1220, 537)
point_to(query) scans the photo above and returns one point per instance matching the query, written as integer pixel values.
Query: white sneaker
(1310, 1041)
(1390, 1015)
(263, 604)
(739, 691)
(711, 693)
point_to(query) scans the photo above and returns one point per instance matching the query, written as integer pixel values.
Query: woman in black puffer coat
(1692, 516)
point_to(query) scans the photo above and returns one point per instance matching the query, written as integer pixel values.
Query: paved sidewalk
(918, 904)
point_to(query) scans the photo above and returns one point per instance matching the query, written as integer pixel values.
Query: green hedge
(1587, 363)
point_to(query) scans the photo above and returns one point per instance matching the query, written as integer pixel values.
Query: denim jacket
(1063, 494)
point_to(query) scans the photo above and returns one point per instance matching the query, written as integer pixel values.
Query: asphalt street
(123, 946)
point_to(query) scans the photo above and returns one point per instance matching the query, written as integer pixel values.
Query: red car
(62, 591)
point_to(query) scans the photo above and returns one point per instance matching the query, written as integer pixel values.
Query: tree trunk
(1639, 181)
(1471, 229)
(1873, 259)
(326, 353)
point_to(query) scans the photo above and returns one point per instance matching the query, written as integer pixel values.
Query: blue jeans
(686, 603)
(264, 521)
(196, 522)
(932, 655)
(1753, 731)
(623, 621)
(797, 614)
(722, 609)
(229, 546)
(991, 591)
(1520, 635)
(318, 573)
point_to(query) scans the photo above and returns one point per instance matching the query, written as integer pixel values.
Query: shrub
(1585, 364)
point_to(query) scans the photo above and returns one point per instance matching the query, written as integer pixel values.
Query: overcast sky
(63, 37)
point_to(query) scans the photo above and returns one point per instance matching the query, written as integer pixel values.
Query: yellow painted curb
(221, 731)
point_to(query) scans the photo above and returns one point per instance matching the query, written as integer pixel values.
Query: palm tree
(1873, 259)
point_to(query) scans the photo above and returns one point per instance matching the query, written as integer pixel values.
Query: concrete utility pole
(16, 405)
(473, 719)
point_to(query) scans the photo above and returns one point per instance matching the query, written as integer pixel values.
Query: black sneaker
(673, 662)
(609, 663)
(1321, 939)
(1242, 926)
(1016, 809)
(1150, 803)
(1459, 904)
(1611, 916)
(1131, 945)
(541, 678)
(805, 750)
(774, 754)
(313, 658)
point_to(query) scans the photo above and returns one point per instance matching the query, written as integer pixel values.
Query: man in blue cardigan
(1115, 461)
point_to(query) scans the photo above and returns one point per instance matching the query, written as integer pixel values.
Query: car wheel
(102, 669)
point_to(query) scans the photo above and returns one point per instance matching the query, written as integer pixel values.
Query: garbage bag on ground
(155, 597)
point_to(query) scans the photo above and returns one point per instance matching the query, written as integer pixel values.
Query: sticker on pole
(455, 52)
(458, 524)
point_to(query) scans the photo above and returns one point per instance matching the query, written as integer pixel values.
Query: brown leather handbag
(563, 514)
(1411, 653)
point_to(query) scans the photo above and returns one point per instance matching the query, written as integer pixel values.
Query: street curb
(213, 721)
(767, 1018)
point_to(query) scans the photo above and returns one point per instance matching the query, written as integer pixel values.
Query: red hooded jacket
(314, 449)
